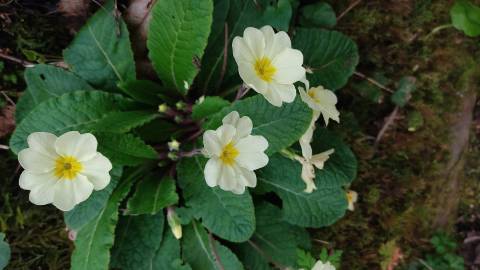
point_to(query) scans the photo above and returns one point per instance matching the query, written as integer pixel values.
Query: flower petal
(273, 97)
(241, 51)
(227, 180)
(275, 43)
(319, 159)
(231, 118)
(82, 188)
(247, 177)
(43, 142)
(225, 134)
(29, 180)
(212, 143)
(97, 171)
(252, 160)
(255, 41)
(35, 161)
(252, 143)
(308, 100)
(68, 193)
(308, 176)
(43, 194)
(306, 138)
(286, 92)
(212, 172)
(238, 189)
(289, 66)
(81, 146)
(244, 127)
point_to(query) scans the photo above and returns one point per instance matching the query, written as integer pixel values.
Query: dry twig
(350, 7)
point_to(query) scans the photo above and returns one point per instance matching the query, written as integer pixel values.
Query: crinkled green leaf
(4, 252)
(209, 106)
(276, 13)
(168, 255)
(318, 15)
(320, 208)
(341, 168)
(79, 111)
(94, 240)
(465, 17)
(101, 51)
(281, 126)
(152, 195)
(403, 93)
(237, 15)
(122, 122)
(124, 149)
(198, 251)
(137, 240)
(83, 213)
(228, 215)
(45, 82)
(330, 56)
(277, 240)
(177, 37)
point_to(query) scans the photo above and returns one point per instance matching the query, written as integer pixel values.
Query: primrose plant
(216, 162)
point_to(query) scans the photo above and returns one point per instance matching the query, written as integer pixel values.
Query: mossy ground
(397, 181)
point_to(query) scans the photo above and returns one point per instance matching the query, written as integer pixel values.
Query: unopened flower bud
(174, 223)
(174, 145)
(162, 108)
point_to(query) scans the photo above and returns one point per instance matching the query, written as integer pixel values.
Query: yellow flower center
(264, 69)
(229, 153)
(350, 196)
(67, 167)
(312, 94)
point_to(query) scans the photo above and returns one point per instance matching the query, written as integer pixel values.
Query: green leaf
(4, 252)
(228, 215)
(465, 17)
(329, 55)
(177, 37)
(341, 168)
(320, 208)
(45, 82)
(208, 107)
(305, 259)
(406, 86)
(159, 131)
(276, 13)
(281, 126)
(144, 91)
(124, 149)
(274, 239)
(137, 240)
(78, 111)
(198, 251)
(101, 51)
(122, 122)
(83, 213)
(237, 15)
(168, 255)
(152, 195)
(318, 15)
(94, 240)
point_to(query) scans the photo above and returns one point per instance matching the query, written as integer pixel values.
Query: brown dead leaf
(7, 120)
(73, 8)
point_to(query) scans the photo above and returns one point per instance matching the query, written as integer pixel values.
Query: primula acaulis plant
(218, 161)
